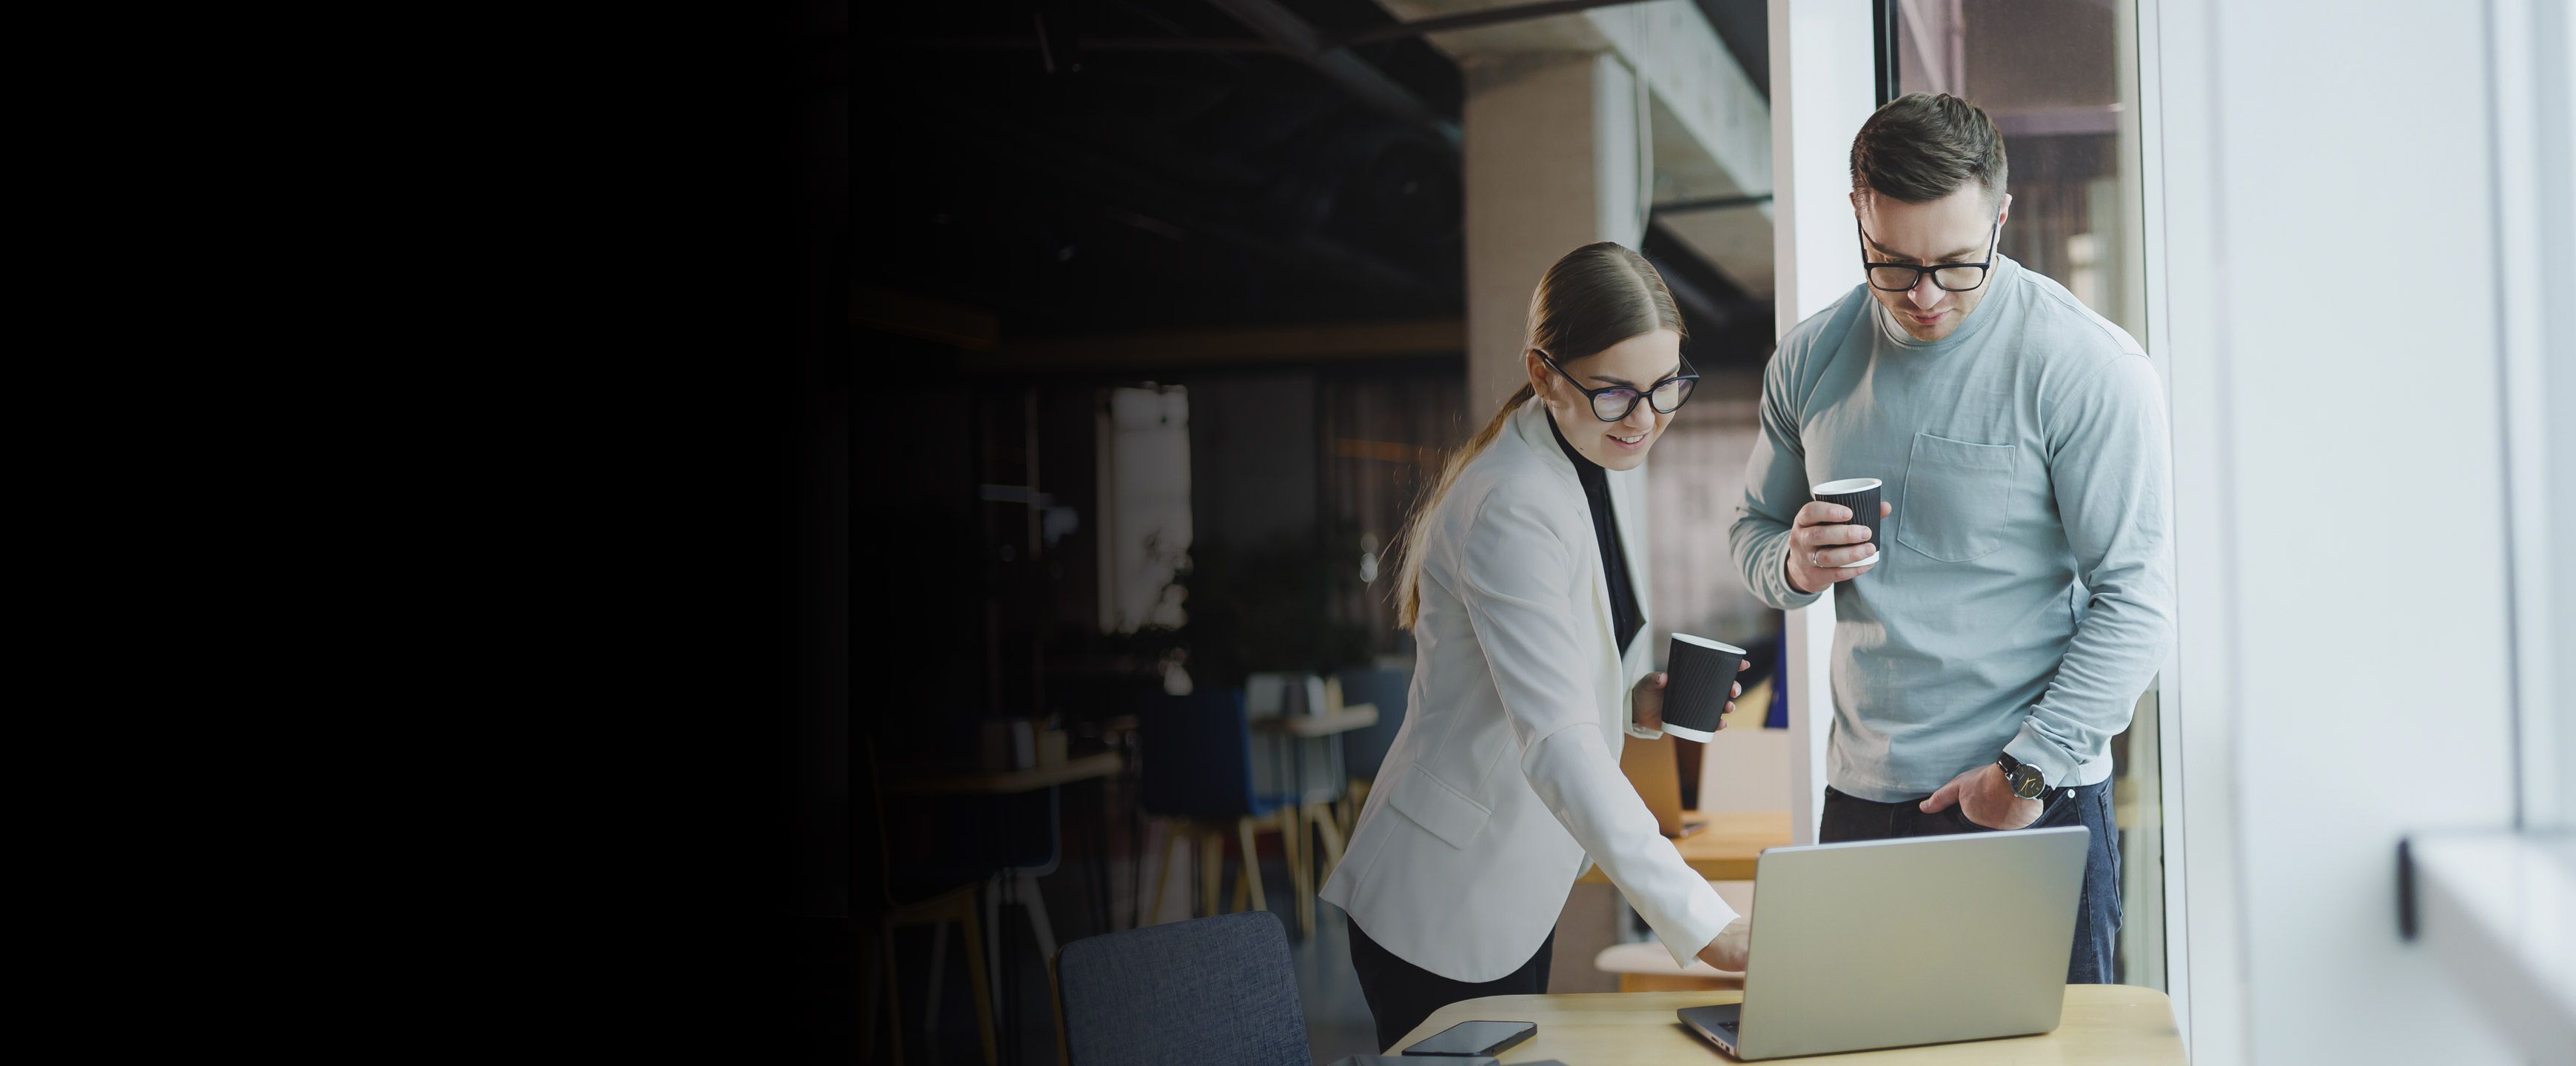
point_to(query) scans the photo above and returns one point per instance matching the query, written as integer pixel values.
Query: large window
(2061, 81)
(1144, 463)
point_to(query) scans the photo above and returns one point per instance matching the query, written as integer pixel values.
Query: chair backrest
(1196, 752)
(1210, 990)
(1364, 750)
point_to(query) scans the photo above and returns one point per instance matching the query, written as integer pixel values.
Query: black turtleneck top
(1625, 619)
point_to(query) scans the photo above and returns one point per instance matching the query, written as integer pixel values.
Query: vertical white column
(1550, 142)
(1822, 89)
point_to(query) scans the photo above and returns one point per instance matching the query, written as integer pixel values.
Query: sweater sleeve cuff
(1790, 598)
(2055, 766)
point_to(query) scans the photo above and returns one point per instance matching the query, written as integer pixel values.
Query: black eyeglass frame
(1870, 270)
(1593, 396)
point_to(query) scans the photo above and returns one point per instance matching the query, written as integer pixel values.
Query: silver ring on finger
(1816, 558)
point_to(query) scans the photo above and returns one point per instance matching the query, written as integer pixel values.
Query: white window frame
(2489, 904)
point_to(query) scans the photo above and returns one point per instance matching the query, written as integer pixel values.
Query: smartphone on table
(1475, 1038)
(1399, 1060)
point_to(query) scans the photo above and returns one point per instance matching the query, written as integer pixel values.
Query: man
(2023, 595)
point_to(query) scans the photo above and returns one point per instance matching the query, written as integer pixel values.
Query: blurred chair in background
(906, 895)
(1027, 833)
(1211, 990)
(1196, 752)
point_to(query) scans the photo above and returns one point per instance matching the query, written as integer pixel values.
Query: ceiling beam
(1468, 20)
(1144, 195)
(1366, 83)
(1226, 348)
(913, 315)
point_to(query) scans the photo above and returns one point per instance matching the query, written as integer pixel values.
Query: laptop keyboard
(1728, 1026)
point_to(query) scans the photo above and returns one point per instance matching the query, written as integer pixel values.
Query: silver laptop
(1886, 943)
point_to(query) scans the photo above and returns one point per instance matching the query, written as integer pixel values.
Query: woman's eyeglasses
(1614, 404)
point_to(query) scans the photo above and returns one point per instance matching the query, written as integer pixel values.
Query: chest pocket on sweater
(1958, 498)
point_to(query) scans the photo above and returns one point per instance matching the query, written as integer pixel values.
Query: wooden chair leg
(1292, 851)
(975, 973)
(1055, 1003)
(1251, 863)
(1332, 835)
(1211, 871)
(1301, 866)
(1176, 852)
(1354, 797)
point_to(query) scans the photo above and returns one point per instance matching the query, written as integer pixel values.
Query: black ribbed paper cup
(1861, 495)
(1701, 678)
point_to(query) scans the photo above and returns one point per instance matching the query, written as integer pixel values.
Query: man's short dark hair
(1924, 146)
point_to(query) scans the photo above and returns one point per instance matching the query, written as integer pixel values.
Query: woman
(1528, 670)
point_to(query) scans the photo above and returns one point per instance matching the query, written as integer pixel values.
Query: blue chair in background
(1364, 750)
(1196, 752)
(1186, 994)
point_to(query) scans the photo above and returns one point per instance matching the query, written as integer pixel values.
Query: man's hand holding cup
(1825, 538)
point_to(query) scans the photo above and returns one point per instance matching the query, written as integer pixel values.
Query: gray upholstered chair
(1185, 994)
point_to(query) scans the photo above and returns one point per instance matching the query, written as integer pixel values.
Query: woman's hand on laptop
(1649, 698)
(1733, 943)
(1985, 799)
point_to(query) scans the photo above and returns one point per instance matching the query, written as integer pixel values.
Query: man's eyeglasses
(1613, 404)
(1903, 277)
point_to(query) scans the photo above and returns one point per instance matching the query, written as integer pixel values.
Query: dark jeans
(1400, 994)
(2097, 912)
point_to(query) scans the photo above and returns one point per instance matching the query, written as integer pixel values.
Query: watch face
(2028, 785)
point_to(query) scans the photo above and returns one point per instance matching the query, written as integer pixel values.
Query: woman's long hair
(1595, 297)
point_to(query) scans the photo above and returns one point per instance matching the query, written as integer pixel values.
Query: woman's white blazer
(1503, 786)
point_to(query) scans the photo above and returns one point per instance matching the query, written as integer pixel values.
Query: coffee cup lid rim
(1707, 643)
(1849, 484)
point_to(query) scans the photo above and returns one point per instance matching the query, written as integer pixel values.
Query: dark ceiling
(1108, 165)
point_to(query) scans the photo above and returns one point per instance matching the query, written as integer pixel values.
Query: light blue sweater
(2024, 594)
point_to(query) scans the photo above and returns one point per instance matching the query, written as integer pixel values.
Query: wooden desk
(1728, 849)
(2117, 1025)
(1005, 782)
(1309, 726)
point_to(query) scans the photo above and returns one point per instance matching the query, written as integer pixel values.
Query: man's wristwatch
(2023, 778)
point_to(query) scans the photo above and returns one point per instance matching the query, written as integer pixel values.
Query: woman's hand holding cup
(1649, 698)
